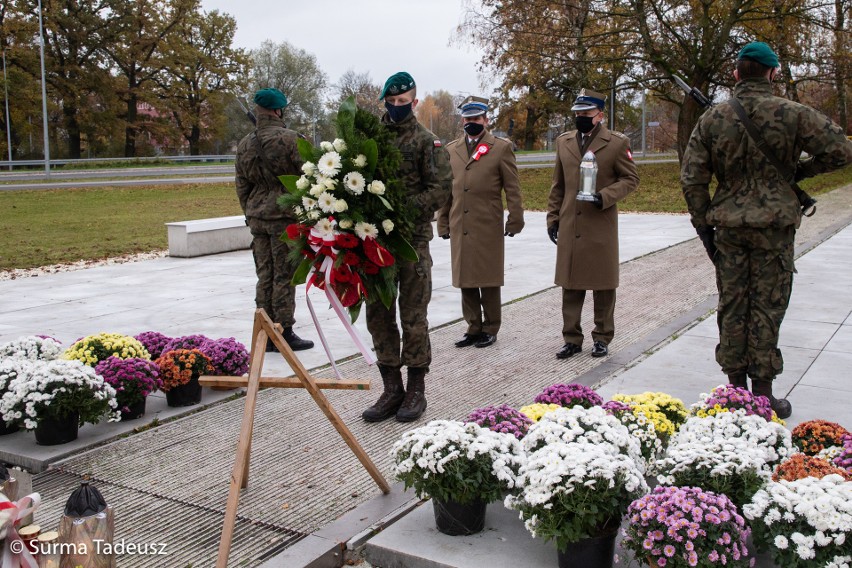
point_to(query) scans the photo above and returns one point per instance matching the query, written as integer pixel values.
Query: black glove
(598, 200)
(445, 236)
(553, 231)
(706, 234)
(508, 234)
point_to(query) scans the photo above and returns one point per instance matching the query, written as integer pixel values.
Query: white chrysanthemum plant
(640, 427)
(33, 348)
(731, 453)
(806, 522)
(453, 461)
(57, 389)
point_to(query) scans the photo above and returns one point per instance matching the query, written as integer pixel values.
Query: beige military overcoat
(473, 216)
(587, 251)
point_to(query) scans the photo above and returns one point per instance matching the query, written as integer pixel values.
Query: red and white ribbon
(480, 151)
(14, 552)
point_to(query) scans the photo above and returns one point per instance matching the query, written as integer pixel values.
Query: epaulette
(452, 142)
(619, 134)
(565, 133)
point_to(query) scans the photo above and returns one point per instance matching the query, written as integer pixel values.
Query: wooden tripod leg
(239, 474)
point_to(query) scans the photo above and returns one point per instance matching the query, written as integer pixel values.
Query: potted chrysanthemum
(194, 341)
(799, 466)
(666, 412)
(502, 418)
(813, 436)
(153, 341)
(569, 395)
(228, 357)
(641, 428)
(582, 470)
(680, 527)
(9, 371)
(133, 380)
(54, 398)
(731, 453)
(462, 467)
(93, 349)
(537, 410)
(725, 398)
(179, 373)
(806, 522)
(32, 348)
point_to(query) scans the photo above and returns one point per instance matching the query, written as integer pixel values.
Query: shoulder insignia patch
(437, 143)
(629, 155)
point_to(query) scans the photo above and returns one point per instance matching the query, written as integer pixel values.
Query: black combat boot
(390, 400)
(780, 405)
(414, 404)
(738, 380)
(295, 342)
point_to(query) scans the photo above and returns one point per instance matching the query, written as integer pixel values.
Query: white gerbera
(326, 146)
(364, 230)
(360, 161)
(377, 188)
(325, 201)
(387, 225)
(346, 224)
(329, 164)
(340, 206)
(354, 183)
(309, 203)
(314, 215)
(303, 183)
(325, 227)
(309, 168)
(339, 144)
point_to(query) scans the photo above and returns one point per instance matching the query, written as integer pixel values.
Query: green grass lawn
(39, 228)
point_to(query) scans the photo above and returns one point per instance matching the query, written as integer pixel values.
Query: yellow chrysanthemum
(535, 411)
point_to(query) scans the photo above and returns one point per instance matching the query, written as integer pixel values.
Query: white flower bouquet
(575, 490)
(56, 389)
(32, 348)
(806, 522)
(640, 427)
(731, 453)
(454, 461)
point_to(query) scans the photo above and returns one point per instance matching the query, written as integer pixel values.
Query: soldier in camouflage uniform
(263, 155)
(749, 224)
(425, 172)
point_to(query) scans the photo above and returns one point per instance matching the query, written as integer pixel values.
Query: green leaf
(301, 274)
(385, 295)
(371, 150)
(306, 149)
(385, 202)
(355, 311)
(289, 182)
(402, 248)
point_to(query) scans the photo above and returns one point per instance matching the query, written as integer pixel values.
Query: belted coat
(587, 243)
(473, 216)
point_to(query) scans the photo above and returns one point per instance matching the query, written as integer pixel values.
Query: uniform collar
(754, 86)
(269, 120)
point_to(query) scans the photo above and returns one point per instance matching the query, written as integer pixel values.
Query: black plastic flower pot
(456, 519)
(52, 431)
(184, 395)
(594, 552)
(134, 410)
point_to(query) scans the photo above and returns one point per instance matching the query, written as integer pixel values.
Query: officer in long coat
(586, 232)
(483, 170)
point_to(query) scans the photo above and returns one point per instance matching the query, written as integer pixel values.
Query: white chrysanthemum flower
(377, 188)
(303, 183)
(340, 206)
(309, 203)
(314, 215)
(364, 230)
(387, 225)
(329, 164)
(354, 183)
(781, 542)
(339, 144)
(309, 168)
(360, 161)
(325, 201)
(326, 146)
(346, 224)
(316, 189)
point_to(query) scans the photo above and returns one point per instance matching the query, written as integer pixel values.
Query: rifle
(249, 113)
(806, 202)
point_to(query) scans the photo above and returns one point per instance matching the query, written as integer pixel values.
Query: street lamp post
(43, 95)
(644, 98)
(8, 126)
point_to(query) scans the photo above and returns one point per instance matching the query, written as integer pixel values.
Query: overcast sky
(380, 37)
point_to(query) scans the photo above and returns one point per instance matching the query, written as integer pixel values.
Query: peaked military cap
(473, 106)
(270, 98)
(588, 100)
(760, 52)
(397, 84)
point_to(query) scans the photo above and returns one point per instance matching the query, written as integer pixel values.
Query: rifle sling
(754, 134)
(262, 154)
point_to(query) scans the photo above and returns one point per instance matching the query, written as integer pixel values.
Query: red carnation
(351, 259)
(294, 231)
(347, 240)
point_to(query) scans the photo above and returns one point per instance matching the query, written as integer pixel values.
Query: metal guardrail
(206, 158)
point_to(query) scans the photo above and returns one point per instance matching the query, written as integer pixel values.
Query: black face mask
(584, 124)
(398, 113)
(473, 129)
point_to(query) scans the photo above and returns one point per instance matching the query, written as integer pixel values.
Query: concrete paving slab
(842, 339)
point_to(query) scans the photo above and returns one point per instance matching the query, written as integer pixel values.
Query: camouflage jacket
(425, 170)
(258, 188)
(751, 191)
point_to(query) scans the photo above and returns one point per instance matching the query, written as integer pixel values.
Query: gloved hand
(445, 236)
(598, 201)
(508, 234)
(706, 235)
(553, 231)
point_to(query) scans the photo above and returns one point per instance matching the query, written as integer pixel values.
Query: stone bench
(208, 236)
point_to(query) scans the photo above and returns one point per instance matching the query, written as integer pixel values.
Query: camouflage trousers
(415, 291)
(754, 276)
(273, 293)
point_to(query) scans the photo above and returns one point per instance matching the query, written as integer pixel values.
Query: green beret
(760, 52)
(270, 98)
(397, 84)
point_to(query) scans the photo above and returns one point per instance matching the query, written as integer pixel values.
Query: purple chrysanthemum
(501, 418)
(570, 395)
(227, 355)
(153, 341)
